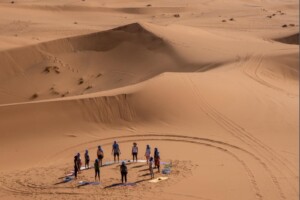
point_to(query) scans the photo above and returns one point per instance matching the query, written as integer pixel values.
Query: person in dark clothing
(156, 159)
(87, 159)
(75, 171)
(100, 155)
(116, 151)
(76, 166)
(78, 162)
(123, 170)
(97, 169)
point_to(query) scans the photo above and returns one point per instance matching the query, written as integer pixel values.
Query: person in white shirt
(135, 151)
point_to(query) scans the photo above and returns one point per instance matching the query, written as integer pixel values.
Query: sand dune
(62, 63)
(116, 58)
(220, 99)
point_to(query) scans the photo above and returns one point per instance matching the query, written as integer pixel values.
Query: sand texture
(214, 84)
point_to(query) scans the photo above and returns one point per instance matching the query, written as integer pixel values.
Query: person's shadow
(125, 184)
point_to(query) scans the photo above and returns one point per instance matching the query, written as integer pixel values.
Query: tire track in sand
(152, 137)
(251, 68)
(245, 137)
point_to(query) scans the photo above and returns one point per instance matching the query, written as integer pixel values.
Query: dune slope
(219, 100)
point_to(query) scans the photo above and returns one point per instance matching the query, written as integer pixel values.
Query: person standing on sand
(75, 166)
(148, 152)
(78, 162)
(151, 167)
(157, 159)
(100, 155)
(116, 151)
(123, 170)
(87, 159)
(97, 169)
(134, 151)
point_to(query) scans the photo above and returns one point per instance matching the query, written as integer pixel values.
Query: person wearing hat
(100, 155)
(116, 151)
(134, 151)
(97, 169)
(123, 170)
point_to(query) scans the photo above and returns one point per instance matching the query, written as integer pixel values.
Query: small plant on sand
(47, 69)
(65, 94)
(98, 75)
(176, 15)
(80, 81)
(34, 96)
(56, 69)
(88, 87)
(223, 20)
(284, 26)
(149, 5)
(54, 92)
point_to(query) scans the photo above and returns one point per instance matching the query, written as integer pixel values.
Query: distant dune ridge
(102, 50)
(105, 53)
(219, 100)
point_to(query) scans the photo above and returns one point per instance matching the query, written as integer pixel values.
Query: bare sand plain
(213, 84)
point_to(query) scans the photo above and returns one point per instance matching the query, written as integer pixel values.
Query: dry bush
(80, 81)
(99, 75)
(34, 96)
(88, 87)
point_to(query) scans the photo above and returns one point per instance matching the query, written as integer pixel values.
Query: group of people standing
(151, 161)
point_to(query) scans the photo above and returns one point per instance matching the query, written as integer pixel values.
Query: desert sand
(214, 84)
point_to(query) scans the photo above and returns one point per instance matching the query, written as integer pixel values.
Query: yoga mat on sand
(157, 180)
(83, 183)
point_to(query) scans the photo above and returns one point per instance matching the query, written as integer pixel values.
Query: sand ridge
(213, 84)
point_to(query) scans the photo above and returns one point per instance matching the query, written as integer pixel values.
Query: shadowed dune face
(84, 64)
(115, 58)
(291, 39)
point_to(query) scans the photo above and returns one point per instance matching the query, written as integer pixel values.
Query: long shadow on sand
(143, 175)
(143, 170)
(138, 166)
(66, 180)
(125, 184)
